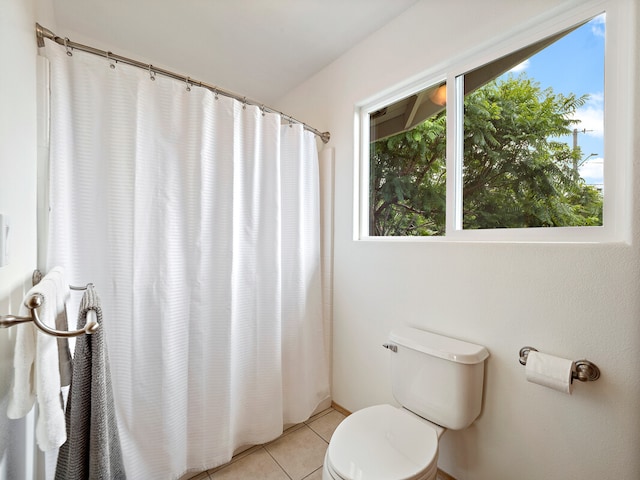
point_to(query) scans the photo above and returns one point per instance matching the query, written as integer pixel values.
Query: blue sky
(575, 63)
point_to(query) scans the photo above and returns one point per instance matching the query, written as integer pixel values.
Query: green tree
(514, 173)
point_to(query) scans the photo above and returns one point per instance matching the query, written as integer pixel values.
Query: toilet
(438, 382)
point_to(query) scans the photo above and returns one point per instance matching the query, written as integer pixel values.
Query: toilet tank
(437, 377)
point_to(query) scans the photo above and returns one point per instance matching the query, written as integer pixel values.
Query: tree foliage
(514, 173)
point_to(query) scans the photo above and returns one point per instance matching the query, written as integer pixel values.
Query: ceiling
(260, 49)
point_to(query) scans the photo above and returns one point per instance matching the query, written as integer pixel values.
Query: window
(407, 169)
(498, 151)
(520, 165)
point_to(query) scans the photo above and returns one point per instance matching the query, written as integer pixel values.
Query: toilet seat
(383, 443)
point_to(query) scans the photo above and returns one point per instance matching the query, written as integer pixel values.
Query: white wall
(576, 301)
(572, 300)
(17, 198)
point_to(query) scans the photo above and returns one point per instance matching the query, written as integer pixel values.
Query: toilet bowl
(438, 382)
(383, 443)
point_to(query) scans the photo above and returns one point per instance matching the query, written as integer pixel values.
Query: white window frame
(619, 62)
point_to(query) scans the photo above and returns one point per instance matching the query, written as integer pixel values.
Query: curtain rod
(42, 33)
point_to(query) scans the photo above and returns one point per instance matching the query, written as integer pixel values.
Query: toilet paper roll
(550, 371)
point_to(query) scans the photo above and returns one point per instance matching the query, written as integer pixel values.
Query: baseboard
(441, 475)
(340, 409)
(444, 476)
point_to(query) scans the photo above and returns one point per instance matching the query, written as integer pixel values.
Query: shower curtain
(197, 218)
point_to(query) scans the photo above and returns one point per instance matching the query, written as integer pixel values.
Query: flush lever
(391, 346)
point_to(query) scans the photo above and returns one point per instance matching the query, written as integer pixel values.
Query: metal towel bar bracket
(32, 303)
(584, 370)
(36, 300)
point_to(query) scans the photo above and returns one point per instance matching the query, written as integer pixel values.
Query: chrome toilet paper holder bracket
(584, 370)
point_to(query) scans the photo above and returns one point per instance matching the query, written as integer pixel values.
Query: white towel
(36, 371)
(62, 296)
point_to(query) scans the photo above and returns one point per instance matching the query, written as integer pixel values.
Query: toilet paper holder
(584, 370)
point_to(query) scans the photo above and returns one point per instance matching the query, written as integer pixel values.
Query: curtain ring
(188, 85)
(66, 45)
(215, 91)
(262, 110)
(112, 64)
(244, 103)
(152, 74)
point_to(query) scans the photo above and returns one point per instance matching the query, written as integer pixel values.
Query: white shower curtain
(197, 218)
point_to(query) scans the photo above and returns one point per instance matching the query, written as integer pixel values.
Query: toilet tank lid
(439, 346)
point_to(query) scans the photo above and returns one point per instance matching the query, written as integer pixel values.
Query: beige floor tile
(196, 476)
(319, 414)
(299, 453)
(257, 466)
(317, 475)
(325, 425)
(292, 428)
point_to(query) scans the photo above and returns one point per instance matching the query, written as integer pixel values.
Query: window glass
(533, 135)
(407, 191)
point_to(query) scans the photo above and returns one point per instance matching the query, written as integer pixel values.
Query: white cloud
(593, 171)
(598, 26)
(521, 67)
(596, 98)
(591, 116)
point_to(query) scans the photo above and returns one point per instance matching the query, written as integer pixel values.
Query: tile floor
(296, 455)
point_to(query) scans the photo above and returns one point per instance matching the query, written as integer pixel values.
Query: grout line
(318, 415)
(319, 469)
(320, 436)
(249, 451)
(235, 458)
(277, 463)
(255, 448)
(289, 430)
